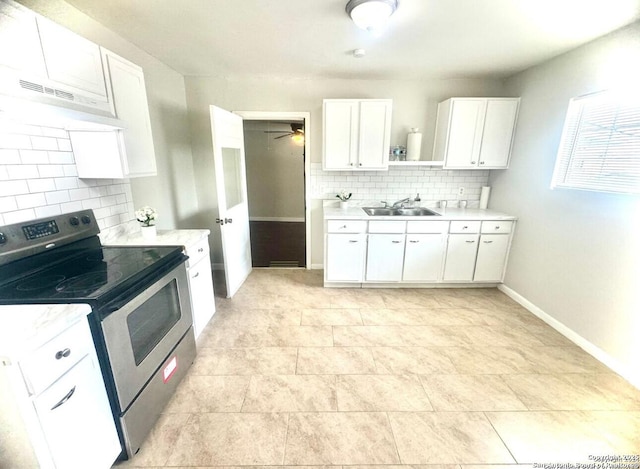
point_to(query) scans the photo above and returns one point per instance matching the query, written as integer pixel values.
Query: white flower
(146, 215)
(344, 195)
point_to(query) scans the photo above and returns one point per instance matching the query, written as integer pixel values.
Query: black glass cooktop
(84, 273)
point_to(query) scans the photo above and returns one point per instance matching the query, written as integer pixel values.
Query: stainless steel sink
(399, 212)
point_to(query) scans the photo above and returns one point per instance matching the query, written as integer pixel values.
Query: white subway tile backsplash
(57, 197)
(8, 204)
(66, 183)
(14, 188)
(41, 185)
(79, 194)
(91, 203)
(431, 183)
(54, 187)
(34, 157)
(48, 211)
(9, 156)
(44, 143)
(70, 170)
(22, 171)
(61, 157)
(9, 140)
(53, 132)
(19, 216)
(30, 200)
(71, 206)
(50, 170)
(64, 145)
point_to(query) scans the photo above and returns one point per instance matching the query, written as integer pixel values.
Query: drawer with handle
(463, 227)
(496, 227)
(44, 365)
(197, 251)
(346, 226)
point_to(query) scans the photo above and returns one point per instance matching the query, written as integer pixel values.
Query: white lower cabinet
(61, 421)
(72, 406)
(424, 254)
(492, 256)
(461, 258)
(416, 251)
(345, 257)
(385, 257)
(203, 305)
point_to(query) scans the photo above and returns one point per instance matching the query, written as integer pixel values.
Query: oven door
(141, 334)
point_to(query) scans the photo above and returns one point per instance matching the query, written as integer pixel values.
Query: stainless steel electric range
(141, 315)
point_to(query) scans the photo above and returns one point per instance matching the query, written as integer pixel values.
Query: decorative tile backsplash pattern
(38, 178)
(432, 183)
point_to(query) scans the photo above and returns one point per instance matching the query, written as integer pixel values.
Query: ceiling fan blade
(277, 131)
(283, 136)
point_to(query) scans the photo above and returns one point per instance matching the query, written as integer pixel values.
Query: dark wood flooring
(277, 244)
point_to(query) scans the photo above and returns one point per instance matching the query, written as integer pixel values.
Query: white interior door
(231, 186)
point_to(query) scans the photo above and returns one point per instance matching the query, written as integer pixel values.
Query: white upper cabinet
(127, 92)
(475, 133)
(356, 134)
(123, 153)
(71, 59)
(18, 27)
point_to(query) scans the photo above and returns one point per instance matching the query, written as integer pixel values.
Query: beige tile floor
(292, 374)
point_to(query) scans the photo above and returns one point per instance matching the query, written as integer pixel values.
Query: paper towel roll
(484, 196)
(414, 142)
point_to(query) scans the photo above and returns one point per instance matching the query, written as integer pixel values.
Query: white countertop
(445, 214)
(183, 238)
(26, 327)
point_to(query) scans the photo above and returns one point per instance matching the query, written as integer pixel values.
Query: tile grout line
(500, 436)
(395, 441)
(286, 439)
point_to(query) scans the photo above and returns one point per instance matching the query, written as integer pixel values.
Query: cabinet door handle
(64, 399)
(469, 241)
(465, 227)
(343, 227)
(359, 164)
(60, 354)
(482, 162)
(353, 240)
(395, 242)
(197, 273)
(414, 241)
(487, 242)
(200, 249)
(497, 228)
(473, 162)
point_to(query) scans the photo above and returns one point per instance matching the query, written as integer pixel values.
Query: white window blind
(600, 145)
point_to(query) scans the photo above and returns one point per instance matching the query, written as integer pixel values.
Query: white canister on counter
(414, 144)
(484, 197)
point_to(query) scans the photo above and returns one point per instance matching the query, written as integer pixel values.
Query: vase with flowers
(344, 197)
(147, 217)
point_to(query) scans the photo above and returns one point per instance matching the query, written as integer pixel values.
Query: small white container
(148, 232)
(414, 144)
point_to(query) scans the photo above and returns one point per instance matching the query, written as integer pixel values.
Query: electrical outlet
(460, 190)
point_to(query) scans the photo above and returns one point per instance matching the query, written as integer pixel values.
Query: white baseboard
(317, 266)
(623, 370)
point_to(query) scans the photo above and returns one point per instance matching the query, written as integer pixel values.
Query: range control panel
(25, 239)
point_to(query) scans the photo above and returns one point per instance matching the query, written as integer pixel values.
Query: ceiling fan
(297, 131)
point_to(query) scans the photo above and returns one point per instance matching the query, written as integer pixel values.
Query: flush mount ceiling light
(371, 14)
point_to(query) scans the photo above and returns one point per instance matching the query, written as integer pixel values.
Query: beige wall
(576, 254)
(414, 105)
(275, 171)
(172, 191)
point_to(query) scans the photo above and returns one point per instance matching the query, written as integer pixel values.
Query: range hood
(42, 102)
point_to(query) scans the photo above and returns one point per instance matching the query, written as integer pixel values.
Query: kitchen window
(600, 145)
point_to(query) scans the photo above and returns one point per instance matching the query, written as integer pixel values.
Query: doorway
(277, 161)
